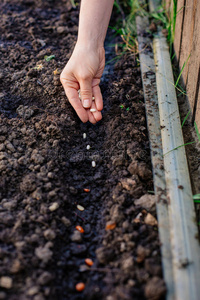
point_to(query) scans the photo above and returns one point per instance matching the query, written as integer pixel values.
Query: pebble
(93, 164)
(6, 282)
(84, 135)
(43, 253)
(146, 201)
(76, 237)
(54, 206)
(9, 146)
(66, 221)
(49, 234)
(150, 220)
(33, 290)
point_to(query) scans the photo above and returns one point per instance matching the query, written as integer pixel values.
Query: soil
(46, 170)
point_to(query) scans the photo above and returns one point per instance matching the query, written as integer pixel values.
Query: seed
(110, 226)
(93, 109)
(88, 147)
(93, 98)
(89, 262)
(81, 208)
(80, 286)
(84, 135)
(86, 190)
(93, 164)
(80, 229)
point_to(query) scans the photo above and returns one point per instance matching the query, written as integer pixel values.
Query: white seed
(93, 164)
(80, 207)
(88, 147)
(53, 206)
(93, 109)
(84, 135)
(93, 98)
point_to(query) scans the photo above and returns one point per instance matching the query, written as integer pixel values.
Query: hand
(83, 71)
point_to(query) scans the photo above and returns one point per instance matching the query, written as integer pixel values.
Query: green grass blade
(181, 71)
(197, 131)
(185, 118)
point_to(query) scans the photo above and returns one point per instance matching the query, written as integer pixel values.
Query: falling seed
(93, 98)
(81, 208)
(110, 226)
(93, 164)
(79, 228)
(89, 262)
(84, 135)
(80, 286)
(93, 109)
(88, 147)
(86, 190)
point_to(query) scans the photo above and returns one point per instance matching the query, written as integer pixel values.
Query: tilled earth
(46, 170)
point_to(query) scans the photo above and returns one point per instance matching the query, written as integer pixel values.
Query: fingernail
(86, 103)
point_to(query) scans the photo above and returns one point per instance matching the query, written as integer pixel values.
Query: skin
(85, 67)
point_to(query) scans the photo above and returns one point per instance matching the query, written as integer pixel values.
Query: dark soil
(46, 170)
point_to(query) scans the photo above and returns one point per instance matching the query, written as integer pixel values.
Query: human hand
(83, 71)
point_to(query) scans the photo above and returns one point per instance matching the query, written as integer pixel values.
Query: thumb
(86, 92)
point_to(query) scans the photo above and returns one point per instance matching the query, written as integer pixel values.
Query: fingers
(73, 97)
(86, 92)
(96, 114)
(98, 97)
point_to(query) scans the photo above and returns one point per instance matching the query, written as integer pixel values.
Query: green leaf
(196, 197)
(50, 57)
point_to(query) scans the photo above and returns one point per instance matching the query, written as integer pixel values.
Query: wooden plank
(187, 36)
(178, 28)
(194, 64)
(153, 121)
(197, 116)
(184, 232)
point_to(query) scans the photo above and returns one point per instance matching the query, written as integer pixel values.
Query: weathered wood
(178, 29)
(152, 113)
(187, 36)
(197, 116)
(185, 246)
(194, 64)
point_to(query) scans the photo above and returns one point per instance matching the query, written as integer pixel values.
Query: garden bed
(46, 170)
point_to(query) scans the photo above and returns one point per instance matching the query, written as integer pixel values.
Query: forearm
(93, 22)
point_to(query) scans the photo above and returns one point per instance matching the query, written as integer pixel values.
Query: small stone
(76, 237)
(9, 146)
(66, 221)
(37, 158)
(49, 234)
(155, 288)
(61, 29)
(43, 253)
(83, 268)
(32, 291)
(127, 264)
(150, 220)
(146, 201)
(54, 206)
(6, 282)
